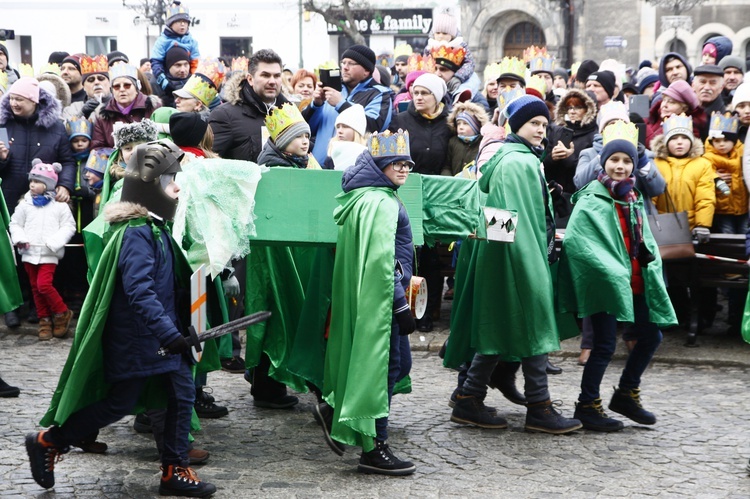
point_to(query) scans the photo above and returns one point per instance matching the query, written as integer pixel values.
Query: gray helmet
(150, 169)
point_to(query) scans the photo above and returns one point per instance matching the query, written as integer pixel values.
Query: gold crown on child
(537, 83)
(721, 124)
(282, 118)
(678, 123)
(513, 65)
(620, 130)
(389, 144)
(201, 88)
(539, 59)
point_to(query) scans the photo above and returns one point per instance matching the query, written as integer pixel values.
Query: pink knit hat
(681, 91)
(26, 87)
(445, 23)
(47, 174)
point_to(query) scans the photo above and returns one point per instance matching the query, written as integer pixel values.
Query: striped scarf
(624, 195)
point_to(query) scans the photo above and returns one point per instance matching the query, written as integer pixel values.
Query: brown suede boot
(62, 323)
(45, 328)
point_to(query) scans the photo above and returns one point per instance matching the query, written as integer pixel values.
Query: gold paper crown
(492, 72)
(450, 57)
(418, 62)
(50, 68)
(389, 144)
(25, 70)
(240, 63)
(538, 59)
(78, 126)
(678, 124)
(574, 68)
(97, 64)
(537, 83)
(201, 88)
(3, 82)
(503, 98)
(282, 118)
(514, 66)
(723, 123)
(213, 69)
(620, 130)
(403, 49)
(123, 69)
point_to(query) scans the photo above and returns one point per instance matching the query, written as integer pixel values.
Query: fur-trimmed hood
(474, 109)
(232, 88)
(659, 148)
(48, 111)
(123, 211)
(562, 107)
(62, 88)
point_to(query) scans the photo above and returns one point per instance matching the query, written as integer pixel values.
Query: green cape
(595, 270)
(10, 291)
(356, 363)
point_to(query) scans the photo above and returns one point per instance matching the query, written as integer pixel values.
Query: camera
(7, 34)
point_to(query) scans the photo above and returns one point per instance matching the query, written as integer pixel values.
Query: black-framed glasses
(94, 78)
(399, 166)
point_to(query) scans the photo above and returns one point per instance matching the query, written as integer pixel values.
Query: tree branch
(331, 14)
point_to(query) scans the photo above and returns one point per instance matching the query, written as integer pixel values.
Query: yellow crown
(620, 130)
(403, 49)
(450, 57)
(537, 83)
(282, 118)
(97, 64)
(418, 62)
(492, 72)
(389, 144)
(574, 68)
(213, 69)
(201, 88)
(538, 59)
(25, 70)
(678, 125)
(240, 63)
(514, 66)
(3, 82)
(50, 68)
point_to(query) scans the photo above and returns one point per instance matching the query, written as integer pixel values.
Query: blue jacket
(365, 173)
(143, 312)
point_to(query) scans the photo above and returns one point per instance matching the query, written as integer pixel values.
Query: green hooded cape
(10, 291)
(356, 363)
(595, 269)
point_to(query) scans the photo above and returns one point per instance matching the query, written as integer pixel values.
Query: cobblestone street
(699, 447)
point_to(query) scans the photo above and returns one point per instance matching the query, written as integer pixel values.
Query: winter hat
(732, 61)
(645, 64)
(606, 79)
(523, 109)
(708, 69)
(362, 55)
(98, 159)
(45, 173)
(585, 69)
(681, 91)
(177, 12)
(26, 87)
(127, 133)
(445, 23)
(175, 55)
(290, 133)
(620, 138)
(562, 73)
(385, 75)
(57, 58)
(667, 58)
(709, 49)
(741, 94)
(160, 117)
(354, 117)
(721, 45)
(433, 83)
(612, 110)
(117, 56)
(187, 129)
(470, 120)
(75, 60)
(647, 81)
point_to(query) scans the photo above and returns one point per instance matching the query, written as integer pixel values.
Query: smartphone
(331, 78)
(641, 132)
(566, 137)
(403, 106)
(639, 104)
(4, 137)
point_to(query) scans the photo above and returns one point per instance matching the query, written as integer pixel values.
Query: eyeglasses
(421, 93)
(347, 64)
(399, 166)
(124, 86)
(94, 78)
(576, 108)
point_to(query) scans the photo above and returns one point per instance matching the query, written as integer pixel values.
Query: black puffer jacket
(428, 138)
(41, 136)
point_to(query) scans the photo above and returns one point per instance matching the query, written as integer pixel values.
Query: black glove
(406, 323)
(645, 256)
(178, 346)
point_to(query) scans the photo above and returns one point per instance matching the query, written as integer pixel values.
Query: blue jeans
(399, 366)
(648, 338)
(730, 224)
(534, 373)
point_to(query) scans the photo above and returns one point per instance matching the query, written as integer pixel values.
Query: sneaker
(205, 406)
(198, 456)
(471, 410)
(43, 456)
(142, 423)
(7, 391)
(452, 402)
(61, 323)
(283, 402)
(45, 328)
(628, 403)
(323, 414)
(592, 417)
(12, 320)
(178, 481)
(381, 461)
(543, 417)
(235, 365)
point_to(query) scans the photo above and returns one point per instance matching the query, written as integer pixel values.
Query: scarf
(624, 194)
(470, 120)
(437, 113)
(467, 139)
(299, 161)
(125, 110)
(82, 156)
(44, 199)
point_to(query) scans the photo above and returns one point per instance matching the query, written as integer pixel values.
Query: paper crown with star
(389, 144)
(201, 88)
(50, 68)
(240, 63)
(419, 62)
(537, 85)
(403, 49)
(492, 72)
(721, 124)
(94, 65)
(620, 130)
(539, 60)
(25, 70)
(213, 69)
(98, 159)
(678, 124)
(78, 126)
(123, 69)
(450, 57)
(512, 67)
(503, 98)
(282, 118)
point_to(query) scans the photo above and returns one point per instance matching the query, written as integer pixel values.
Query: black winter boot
(592, 417)
(178, 481)
(381, 461)
(7, 391)
(543, 417)
(453, 398)
(504, 379)
(323, 414)
(205, 406)
(628, 403)
(42, 456)
(471, 410)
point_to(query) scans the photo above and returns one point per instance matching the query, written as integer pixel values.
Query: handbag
(671, 232)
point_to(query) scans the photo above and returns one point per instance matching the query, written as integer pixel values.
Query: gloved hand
(178, 346)
(162, 81)
(406, 323)
(702, 235)
(231, 286)
(90, 106)
(644, 163)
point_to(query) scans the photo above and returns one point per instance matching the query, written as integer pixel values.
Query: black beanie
(606, 79)
(117, 56)
(585, 69)
(187, 129)
(75, 60)
(523, 109)
(174, 55)
(57, 58)
(361, 55)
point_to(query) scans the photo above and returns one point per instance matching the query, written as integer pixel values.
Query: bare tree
(153, 11)
(332, 10)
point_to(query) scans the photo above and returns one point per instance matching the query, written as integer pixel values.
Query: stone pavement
(698, 448)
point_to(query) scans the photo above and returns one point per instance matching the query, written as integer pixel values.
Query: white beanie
(612, 110)
(433, 83)
(741, 94)
(354, 117)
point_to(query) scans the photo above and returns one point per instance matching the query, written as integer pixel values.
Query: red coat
(108, 114)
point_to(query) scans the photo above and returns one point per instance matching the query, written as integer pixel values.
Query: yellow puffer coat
(736, 202)
(690, 182)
